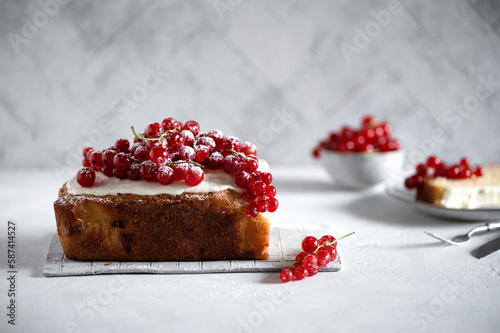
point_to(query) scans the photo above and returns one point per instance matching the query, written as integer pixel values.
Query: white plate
(459, 215)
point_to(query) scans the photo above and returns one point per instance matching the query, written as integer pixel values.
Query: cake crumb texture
(129, 227)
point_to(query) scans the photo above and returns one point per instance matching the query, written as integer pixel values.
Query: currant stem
(334, 241)
(184, 162)
(140, 137)
(318, 248)
(234, 152)
(152, 139)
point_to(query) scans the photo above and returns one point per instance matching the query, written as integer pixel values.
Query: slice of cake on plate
(459, 186)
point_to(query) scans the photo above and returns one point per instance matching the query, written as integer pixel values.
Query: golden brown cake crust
(190, 226)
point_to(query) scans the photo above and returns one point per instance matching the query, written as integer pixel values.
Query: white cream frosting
(471, 197)
(214, 181)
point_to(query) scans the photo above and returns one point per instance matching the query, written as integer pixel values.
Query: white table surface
(394, 278)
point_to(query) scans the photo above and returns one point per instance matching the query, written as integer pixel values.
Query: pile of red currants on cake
(172, 151)
(434, 167)
(372, 136)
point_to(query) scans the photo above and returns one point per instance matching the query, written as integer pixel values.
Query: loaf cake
(213, 205)
(459, 186)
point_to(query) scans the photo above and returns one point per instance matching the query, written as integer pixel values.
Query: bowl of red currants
(361, 158)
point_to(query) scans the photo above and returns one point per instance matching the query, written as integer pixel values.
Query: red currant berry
(153, 143)
(86, 152)
(413, 181)
(187, 153)
(188, 137)
(478, 172)
(244, 179)
(433, 162)
(170, 124)
(465, 162)
(464, 173)
(323, 258)
(85, 177)
(194, 175)
(346, 133)
(286, 275)
(217, 136)
(122, 145)
(107, 170)
(421, 169)
(153, 130)
(368, 121)
(180, 171)
(232, 165)
(165, 175)
(300, 272)
(119, 173)
(86, 163)
(272, 204)
(215, 161)
(259, 188)
(192, 126)
(310, 262)
(453, 172)
(175, 141)
(148, 170)
(250, 195)
(266, 177)
(107, 157)
(122, 161)
(250, 165)
(206, 141)
(141, 153)
(252, 209)
(326, 239)
(313, 271)
(201, 153)
(231, 142)
(262, 206)
(248, 148)
(301, 256)
(96, 160)
(332, 251)
(133, 172)
(270, 191)
(309, 244)
(158, 155)
(316, 152)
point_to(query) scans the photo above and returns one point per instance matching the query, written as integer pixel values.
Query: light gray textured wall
(281, 73)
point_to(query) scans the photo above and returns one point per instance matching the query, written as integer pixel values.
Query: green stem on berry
(142, 138)
(334, 241)
(184, 162)
(152, 139)
(234, 152)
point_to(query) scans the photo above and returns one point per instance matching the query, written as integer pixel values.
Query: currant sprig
(171, 151)
(317, 253)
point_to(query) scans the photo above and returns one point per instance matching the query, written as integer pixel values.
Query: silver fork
(462, 239)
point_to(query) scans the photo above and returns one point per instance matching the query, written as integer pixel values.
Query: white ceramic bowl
(362, 170)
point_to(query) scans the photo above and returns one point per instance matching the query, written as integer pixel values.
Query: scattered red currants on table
(316, 253)
(434, 167)
(372, 136)
(171, 151)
